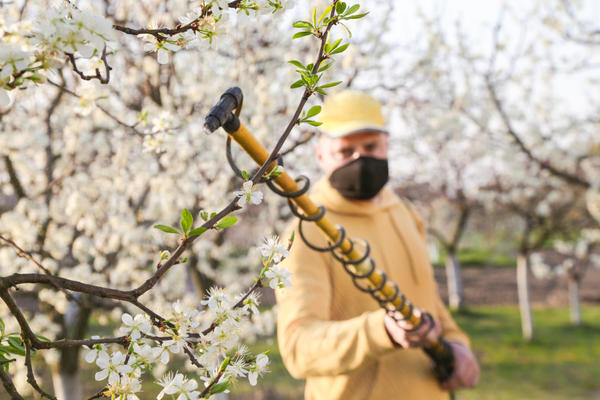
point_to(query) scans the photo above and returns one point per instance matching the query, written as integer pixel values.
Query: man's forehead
(359, 137)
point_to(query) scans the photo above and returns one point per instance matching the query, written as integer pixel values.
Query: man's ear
(318, 153)
(318, 148)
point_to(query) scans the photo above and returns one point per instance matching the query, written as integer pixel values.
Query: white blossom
(273, 249)
(178, 385)
(258, 369)
(125, 388)
(279, 277)
(248, 194)
(113, 367)
(135, 326)
(92, 352)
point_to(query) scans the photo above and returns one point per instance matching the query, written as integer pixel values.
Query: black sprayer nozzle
(222, 112)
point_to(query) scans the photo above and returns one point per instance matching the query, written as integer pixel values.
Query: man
(329, 332)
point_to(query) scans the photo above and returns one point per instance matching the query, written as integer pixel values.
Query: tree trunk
(524, 300)
(574, 303)
(453, 278)
(67, 385)
(65, 377)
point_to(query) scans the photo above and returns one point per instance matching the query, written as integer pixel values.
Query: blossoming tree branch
(80, 228)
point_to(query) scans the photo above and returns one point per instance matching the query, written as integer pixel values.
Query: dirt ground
(498, 286)
(493, 286)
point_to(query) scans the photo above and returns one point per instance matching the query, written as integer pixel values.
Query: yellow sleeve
(310, 343)
(450, 331)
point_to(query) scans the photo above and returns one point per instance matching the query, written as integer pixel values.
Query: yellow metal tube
(440, 350)
(260, 155)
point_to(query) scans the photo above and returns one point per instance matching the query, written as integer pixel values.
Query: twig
(307, 138)
(570, 178)
(14, 179)
(214, 381)
(9, 386)
(22, 253)
(30, 375)
(307, 93)
(257, 284)
(98, 394)
(98, 75)
(162, 33)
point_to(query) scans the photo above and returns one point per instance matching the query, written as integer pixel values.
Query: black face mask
(360, 179)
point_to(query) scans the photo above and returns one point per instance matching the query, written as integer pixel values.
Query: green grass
(479, 256)
(562, 362)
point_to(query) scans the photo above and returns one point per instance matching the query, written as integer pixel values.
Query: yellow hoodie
(331, 333)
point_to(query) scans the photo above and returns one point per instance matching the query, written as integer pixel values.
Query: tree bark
(574, 302)
(453, 278)
(65, 377)
(67, 385)
(524, 300)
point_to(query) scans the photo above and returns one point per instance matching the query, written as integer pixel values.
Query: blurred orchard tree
(498, 113)
(102, 112)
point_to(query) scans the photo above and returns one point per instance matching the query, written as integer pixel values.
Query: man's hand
(466, 368)
(404, 334)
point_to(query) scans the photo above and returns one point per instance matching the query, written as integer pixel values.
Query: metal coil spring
(385, 302)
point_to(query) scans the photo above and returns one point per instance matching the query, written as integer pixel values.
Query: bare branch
(566, 176)
(9, 385)
(307, 93)
(22, 253)
(307, 138)
(103, 79)
(14, 179)
(162, 33)
(30, 375)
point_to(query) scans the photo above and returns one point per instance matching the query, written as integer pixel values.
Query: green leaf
(313, 123)
(245, 175)
(297, 64)
(327, 11)
(320, 91)
(302, 24)
(204, 214)
(297, 84)
(186, 220)
(2, 327)
(313, 111)
(16, 346)
(212, 214)
(198, 231)
(225, 363)
(219, 387)
(352, 9)
(347, 29)
(325, 67)
(336, 43)
(226, 222)
(340, 49)
(301, 34)
(167, 229)
(314, 16)
(340, 7)
(44, 338)
(330, 84)
(357, 16)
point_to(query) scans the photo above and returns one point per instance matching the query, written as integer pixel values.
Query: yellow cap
(349, 112)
